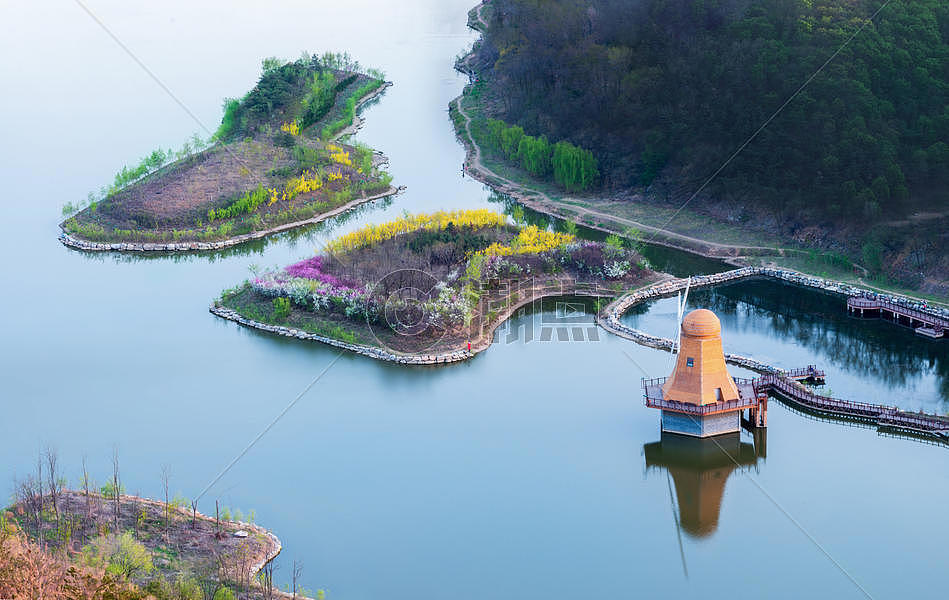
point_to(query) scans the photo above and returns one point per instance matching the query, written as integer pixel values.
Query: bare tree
(86, 484)
(266, 579)
(296, 575)
(222, 562)
(243, 566)
(116, 488)
(52, 458)
(39, 479)
(30, 499)
(165, 484)
(209, 585)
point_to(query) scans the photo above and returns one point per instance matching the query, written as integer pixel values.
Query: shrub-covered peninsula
(429, 288)
(275, 162)
(59, 544)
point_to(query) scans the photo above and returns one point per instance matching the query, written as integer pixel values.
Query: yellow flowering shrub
(306, 182)
(374, 234)
(342, 158)
(529, 240)
(292, 128)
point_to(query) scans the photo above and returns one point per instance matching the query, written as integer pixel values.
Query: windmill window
(690, 362)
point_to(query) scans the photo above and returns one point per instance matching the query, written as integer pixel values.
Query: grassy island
(428, 284)
(274, 163)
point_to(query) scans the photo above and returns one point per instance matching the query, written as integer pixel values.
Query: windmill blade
(680, 313)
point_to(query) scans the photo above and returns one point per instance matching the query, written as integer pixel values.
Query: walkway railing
(705, 409)
(879, 414)
(653, 395)
(785, 386)
(912, 313)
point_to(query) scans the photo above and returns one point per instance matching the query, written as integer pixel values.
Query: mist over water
(520, 474)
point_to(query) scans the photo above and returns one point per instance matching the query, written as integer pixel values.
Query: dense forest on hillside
(668, 89)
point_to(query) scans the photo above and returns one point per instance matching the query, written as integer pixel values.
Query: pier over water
(923, 322)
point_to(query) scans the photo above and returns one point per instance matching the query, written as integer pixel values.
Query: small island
(275, 163)
(430, 288)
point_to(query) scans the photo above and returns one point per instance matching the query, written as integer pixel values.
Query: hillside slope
(664, 91)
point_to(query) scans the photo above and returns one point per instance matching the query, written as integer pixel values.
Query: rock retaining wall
(370, 351)
(609, 319)
(378, 159)
(80, 244)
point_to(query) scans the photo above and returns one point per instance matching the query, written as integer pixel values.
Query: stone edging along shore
(479, 344)
(276, 546)
(608, 319)
(370, 351)
(90, 246)
(80, 244)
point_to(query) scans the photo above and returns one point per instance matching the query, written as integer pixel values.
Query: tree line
(668, 89)
(281, 82)
(573, 168)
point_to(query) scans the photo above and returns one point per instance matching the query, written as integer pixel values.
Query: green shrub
(245, 204)
(108, 490)
(224, 594)
(188, 589)
(281, 310)
(119, 554)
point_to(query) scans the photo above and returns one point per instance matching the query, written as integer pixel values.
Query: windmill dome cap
(701, 323)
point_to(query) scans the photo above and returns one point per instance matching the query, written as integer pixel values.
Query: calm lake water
(533, 471)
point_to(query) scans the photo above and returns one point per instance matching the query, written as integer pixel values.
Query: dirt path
(541, 202)
(480, 17)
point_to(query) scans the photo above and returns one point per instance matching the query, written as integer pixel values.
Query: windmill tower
(700, 398)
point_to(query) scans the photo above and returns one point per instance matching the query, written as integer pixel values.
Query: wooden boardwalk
(924, 323)
(787, 386)
(884, 417)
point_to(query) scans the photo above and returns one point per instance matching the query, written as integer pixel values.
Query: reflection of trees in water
(819, 322)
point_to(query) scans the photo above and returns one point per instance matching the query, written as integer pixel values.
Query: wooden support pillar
(758, 414)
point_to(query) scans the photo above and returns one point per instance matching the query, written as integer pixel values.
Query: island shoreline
(608, 318)
(85, 245)
(77, 243)
(731, 254)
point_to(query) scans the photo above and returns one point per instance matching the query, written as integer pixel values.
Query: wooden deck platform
(924, 323)
(787, 386)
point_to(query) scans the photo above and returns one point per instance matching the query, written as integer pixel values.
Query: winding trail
(541, 202)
